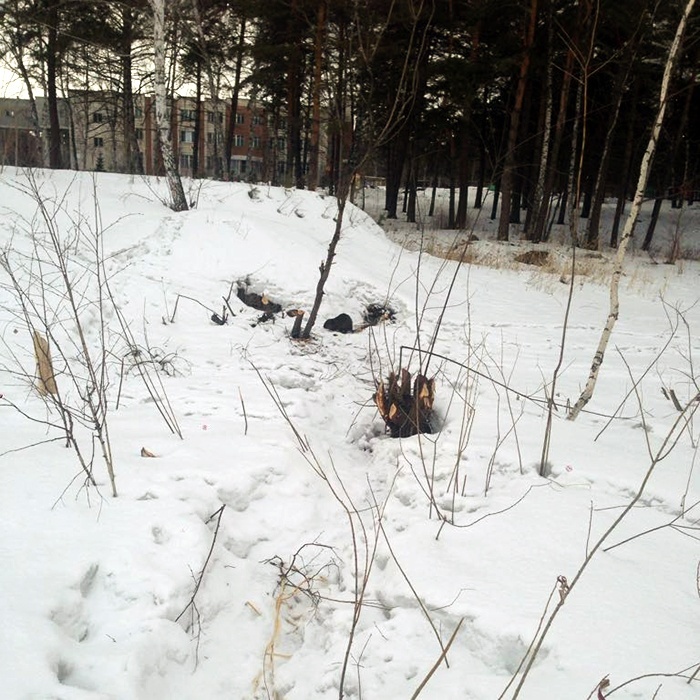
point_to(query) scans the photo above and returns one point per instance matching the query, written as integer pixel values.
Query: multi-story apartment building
(253, 155)
(22, 141)
(95, 137)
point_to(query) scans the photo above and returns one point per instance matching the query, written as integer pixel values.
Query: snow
(97, 590)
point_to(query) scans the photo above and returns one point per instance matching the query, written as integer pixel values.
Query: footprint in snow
(159, 535)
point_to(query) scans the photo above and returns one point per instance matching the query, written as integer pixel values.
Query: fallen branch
(196, 301)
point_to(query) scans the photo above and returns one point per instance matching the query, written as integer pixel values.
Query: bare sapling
(352, 158)
(59, 285)
(55, 274)
(676, 236)
(584, 58)
(194, 625)
(614, 311)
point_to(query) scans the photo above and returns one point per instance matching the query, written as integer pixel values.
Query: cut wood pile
(406, 406)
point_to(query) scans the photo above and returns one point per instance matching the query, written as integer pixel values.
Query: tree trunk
(593, 231)
(178, 201)
(395, 163)
(213, 91)
(668, 174)
(563, 206)
(433, 192)
(496, 196)
(586, 201)
(463, 177)
(230, 132)
(510, 159)
(325, 267)
(479, 195)
(198, 131)
(294, 80)
(132, 161)
(539, 232)
(454, 178)
(647, 159)
(319, 43)
(55, 159)
(538, 196)
(626, 166)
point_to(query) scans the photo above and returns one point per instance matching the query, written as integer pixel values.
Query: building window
(97, 117)
(280, 144)
(9, 113)
(138, 112)
(257, 119)
(256, 142)
(138, 133)
(98, 142)
(188, 115)
(187, 137)
(240, 141)
(186, 161)
(240, 118)
(211, 137)
(213, 116)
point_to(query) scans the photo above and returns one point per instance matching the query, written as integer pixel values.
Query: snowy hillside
(285, 546)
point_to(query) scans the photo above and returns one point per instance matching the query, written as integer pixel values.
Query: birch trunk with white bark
(613, 314)
(177, 193)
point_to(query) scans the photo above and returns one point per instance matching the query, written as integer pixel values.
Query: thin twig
(438, 662)
(415, 594)
(191, 602)
(196, 301)
(677, 674)
(245, 415)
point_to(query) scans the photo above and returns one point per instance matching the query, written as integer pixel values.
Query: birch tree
(613, 314)
(178, 201)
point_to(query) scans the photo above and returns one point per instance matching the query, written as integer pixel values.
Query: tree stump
(297, 315)
(405, 406)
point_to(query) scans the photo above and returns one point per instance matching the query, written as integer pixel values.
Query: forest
(549, 103)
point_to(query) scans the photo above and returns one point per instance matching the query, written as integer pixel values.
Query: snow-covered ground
(286, 547)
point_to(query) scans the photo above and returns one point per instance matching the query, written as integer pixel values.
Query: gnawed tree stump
(297, 315)
(257, 301)
(405, 406)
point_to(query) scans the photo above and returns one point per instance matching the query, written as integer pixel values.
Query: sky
(10, 84)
